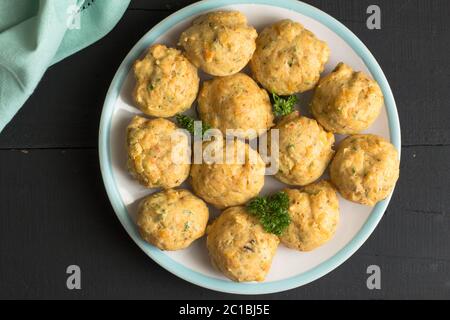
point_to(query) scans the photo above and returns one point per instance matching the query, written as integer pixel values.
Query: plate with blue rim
(290, 269)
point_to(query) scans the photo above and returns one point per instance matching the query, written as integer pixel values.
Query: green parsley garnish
(283, 105)
(272, 212)
(187, 123)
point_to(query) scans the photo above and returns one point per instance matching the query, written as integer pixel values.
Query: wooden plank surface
(54, 211)
(412, 48)
(65, 109)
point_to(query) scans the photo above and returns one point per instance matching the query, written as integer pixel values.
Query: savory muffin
(172, 219)
(158, 154)
(231, 180)
(239, 246)
(166, 82)
(346, 102)
(365, 168)
(288, 58)
(305, 149)
(220, 43)
(314, 213)
(235, 102)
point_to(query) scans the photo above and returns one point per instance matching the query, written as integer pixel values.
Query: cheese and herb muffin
(158, 154)
(166, 82)
(346, 102)
(365, 168)
(235, 102)
(229, 181)
(172, 219)
(288, 58)
(305, 150)
(314, 215)
(220, 43)
(239, 247)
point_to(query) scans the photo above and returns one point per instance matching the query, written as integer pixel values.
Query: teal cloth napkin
(34, 34)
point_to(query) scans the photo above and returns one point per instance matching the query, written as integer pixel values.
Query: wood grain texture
(65, 109)
(54, 211)
(412, 48)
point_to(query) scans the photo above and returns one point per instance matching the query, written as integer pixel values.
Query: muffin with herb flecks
(166, 82)
(172, 219)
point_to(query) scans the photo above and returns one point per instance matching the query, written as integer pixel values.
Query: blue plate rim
(174, 266)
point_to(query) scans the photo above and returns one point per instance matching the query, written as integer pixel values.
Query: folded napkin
(34, 34)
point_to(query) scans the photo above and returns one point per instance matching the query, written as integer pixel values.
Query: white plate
(290, 268)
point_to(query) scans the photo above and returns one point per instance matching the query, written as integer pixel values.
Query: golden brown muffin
(314, 213)
(239, 247)
(288, 58)
(365, 168)
(220, 43)
(172, 219)
(305, 150)
(346, 102)
(231, 182)
(158, 155)
(235, 102)
(166, 82)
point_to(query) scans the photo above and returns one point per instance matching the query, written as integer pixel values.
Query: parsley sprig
(283, 105)
(272, 212)
(187, 123)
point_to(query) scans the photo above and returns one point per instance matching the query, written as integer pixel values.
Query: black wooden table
(54, 211)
